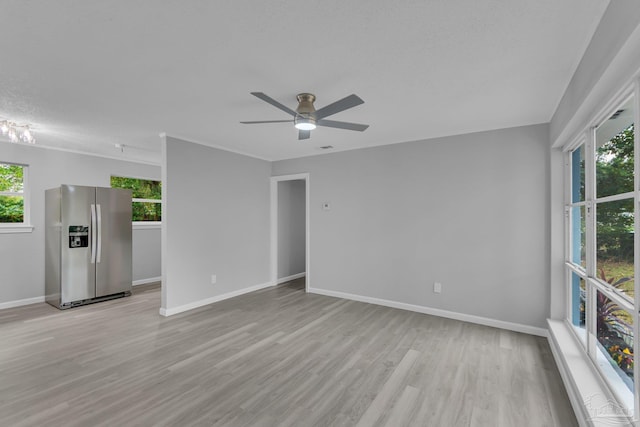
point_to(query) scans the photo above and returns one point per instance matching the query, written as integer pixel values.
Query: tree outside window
(12, 210)
(615, 237)
(146, 197)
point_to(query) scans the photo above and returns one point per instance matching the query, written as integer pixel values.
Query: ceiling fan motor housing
(305, 104)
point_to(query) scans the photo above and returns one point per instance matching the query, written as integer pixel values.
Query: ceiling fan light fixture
(305, 123)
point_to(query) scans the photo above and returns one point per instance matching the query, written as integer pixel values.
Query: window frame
(593, 285)
(142, 225)
(24, 226)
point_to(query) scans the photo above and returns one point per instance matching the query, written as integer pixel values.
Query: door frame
(274, 226)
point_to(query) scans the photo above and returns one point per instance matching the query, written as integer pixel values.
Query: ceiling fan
(306, 117)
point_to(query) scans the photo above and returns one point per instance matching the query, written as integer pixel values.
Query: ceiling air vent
(616, 114)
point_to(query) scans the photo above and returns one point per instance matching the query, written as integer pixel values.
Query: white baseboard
(21, 302)
(35, 300)
(517, 327)
(211, 300)
(290, 278)
(145, 281)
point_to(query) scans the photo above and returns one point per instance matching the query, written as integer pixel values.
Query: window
(13, 203)
(601, 211)
(577, 221)
(147, 197)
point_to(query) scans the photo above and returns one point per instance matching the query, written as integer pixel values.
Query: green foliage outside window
(11, 204)
(614, 175)
(142, 189)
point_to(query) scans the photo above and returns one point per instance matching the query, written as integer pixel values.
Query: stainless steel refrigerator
(88, 245)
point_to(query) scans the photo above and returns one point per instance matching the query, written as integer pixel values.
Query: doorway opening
(290, 257)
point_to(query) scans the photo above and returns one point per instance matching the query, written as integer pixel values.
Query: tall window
(147, 197)
(601, 211)
(12, 194)
(577, 216)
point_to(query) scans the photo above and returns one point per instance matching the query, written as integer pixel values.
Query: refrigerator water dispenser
(78, 236)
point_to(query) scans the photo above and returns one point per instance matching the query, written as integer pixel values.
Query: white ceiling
(90, 74)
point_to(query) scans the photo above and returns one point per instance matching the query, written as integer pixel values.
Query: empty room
(300, 213)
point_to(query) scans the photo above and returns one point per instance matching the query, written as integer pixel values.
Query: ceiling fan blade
(341, 105)
(267, 121)
(304, 134)
(267, 98)
(342, 125)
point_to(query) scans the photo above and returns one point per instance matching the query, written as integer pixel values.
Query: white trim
(582, 381)
(24, 226)
(135, 200)
(145, 281)
(195, 304)
(87, 153)
(141, 177)
(17, 228)
(517, 327)
(636, 247)
(616, 197)
(36, 300)
(290, 278)
(218, 147)
(147, 225)
(274, 225)
(21, 302)
(290, 177)
(163, 225)
(26, 191)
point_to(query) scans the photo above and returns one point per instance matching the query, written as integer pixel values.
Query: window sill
(151, 225)
(17, 228)
(592, 400)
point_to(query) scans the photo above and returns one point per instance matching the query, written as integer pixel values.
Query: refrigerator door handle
(99, 227)
(94, 238)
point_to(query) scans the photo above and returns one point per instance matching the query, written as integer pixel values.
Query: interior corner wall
(468, 211)
(291, 228)
(217, 222)
(22, 254)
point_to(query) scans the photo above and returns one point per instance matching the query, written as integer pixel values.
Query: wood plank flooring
(276, 357)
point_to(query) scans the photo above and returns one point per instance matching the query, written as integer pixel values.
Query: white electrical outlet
(437, 287)
(214, 279)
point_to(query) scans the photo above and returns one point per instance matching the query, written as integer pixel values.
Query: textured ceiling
(92, 74)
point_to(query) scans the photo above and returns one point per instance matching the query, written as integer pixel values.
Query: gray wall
(291, 228)
(216, 222)
(22, 255)
(146, 254)
(468, 211)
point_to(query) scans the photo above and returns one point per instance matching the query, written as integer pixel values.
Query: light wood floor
(276, 357)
